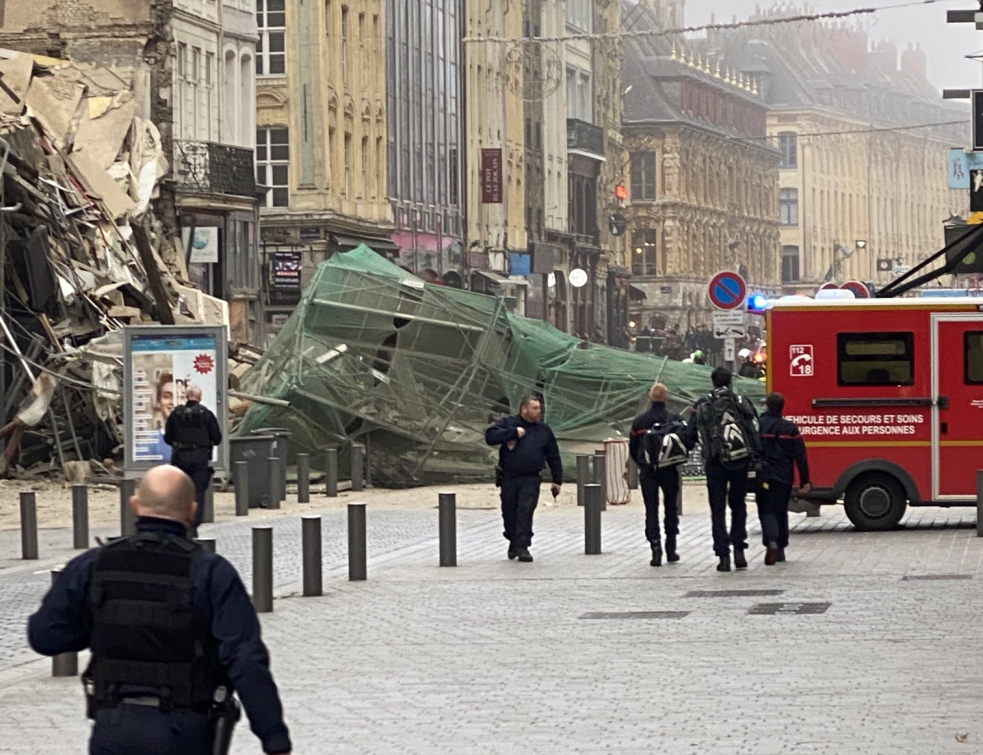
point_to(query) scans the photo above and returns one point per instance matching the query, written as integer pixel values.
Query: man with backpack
(727, 426)
(657, 447)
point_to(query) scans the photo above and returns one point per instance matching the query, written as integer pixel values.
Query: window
(272, 165)
(883, 359)
(644, 252)
(361, 46)
(788, 206)
(580, 14)
(328, 47)
(974, 358)
(364, 188)
(344, 45)
(580, 103)
(790, 264)
(788, 145)
(271, 56)
(348, 164)
(643, 177)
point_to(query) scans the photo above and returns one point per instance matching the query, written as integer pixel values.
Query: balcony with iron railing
(585, 138)
(212, 168)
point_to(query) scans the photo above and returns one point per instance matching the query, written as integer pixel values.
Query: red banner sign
(491, 176)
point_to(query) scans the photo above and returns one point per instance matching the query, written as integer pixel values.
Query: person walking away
(192, 431)
(526, 445)
(172, 633)
(657, 447)
(782, 448)
(727, 427)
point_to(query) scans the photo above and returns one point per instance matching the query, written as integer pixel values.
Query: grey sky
(945, 44)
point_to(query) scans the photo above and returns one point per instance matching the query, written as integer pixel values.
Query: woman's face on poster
(167, 398)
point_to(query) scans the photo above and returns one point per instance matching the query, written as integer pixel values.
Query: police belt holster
(222, 719)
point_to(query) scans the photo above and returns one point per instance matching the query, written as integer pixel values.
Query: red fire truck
(888, 394)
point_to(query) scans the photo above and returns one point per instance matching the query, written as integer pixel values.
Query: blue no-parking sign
(727, 290)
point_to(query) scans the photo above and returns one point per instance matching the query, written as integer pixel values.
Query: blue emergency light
(757, 303)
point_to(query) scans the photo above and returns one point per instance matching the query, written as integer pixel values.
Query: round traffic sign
(578, 277)
(829, 286)
(727, 290)
(860, 290)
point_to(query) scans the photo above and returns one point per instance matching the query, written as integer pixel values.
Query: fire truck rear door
(957, 414)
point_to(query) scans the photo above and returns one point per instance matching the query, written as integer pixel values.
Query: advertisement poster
(285, 274)
(204, 247)
(160, 368)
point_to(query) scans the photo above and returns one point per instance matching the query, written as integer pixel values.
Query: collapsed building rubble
(84, 254)
(418, 371)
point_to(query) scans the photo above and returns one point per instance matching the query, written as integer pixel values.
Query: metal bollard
(310, 527)
(357, 568)
(583, 477)
(979, 503)
(208, 515)
(66, 664)
(240, 481)
(592, 519)
(127, 519)
(358, 468)
(632, 474)
(331, 473)
(274, 487)
(28, 527)
(80, 517)
(206, 543)
(447, 504)
(601, 478)
(303, 478)
(263, 569)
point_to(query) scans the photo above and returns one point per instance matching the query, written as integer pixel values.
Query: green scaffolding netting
(373, 355)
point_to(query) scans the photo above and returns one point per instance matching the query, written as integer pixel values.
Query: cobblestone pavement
(500, 657)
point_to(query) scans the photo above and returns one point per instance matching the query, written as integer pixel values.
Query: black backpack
(729, 429)
(662, 446)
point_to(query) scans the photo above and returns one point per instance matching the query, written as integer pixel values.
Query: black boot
(739, 561)
(513, 551)
(771, 553)
(671, 555)
(656, 553)
(524, 555)
(724, 564)
(781, 555)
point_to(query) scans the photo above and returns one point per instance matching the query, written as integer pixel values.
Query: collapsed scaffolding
(418, 371)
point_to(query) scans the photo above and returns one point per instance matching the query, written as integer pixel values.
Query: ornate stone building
(321, 137)
(703, 181)
(863, 195)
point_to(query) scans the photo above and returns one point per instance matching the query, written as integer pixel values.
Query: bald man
(169, 626)
(192, 432)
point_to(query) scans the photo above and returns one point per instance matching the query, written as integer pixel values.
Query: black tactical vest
(190, 429)
(144, 634)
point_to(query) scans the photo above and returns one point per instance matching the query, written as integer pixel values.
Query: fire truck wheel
(875, 502)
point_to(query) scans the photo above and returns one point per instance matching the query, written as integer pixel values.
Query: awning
(347, 243)
(501, 279)
(636, 293)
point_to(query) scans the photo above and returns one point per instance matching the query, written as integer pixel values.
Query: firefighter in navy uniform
(653, 480)
(192, 432)
(172, 633)
(527, 445)
(782, 448)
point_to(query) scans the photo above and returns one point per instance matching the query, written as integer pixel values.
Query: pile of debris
(86, 251)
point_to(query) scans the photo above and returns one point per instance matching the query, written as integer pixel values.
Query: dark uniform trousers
(651, 483)
(773, 513)
(134, 729)
(727, 487)
(520, 496)
(200, 473)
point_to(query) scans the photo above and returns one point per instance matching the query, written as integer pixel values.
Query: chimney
(884, 57)
(915, 64)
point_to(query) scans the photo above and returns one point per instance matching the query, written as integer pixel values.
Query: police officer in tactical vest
(192, 432)
(172, 634)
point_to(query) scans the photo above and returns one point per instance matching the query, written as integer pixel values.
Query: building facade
(573, 154)
(863, 195)
(702, 178)
(321, 138)
(425, 119)
(189, 64)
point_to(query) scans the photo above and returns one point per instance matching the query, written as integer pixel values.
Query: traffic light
(617, 224)
(621, 194)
